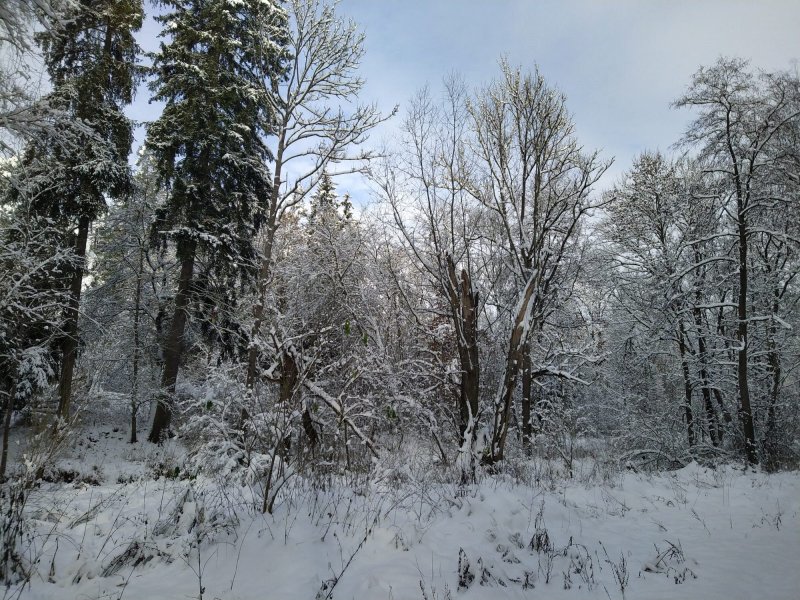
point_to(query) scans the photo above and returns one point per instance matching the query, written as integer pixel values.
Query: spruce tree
(208, 144)
(90, 55)
(323, 203)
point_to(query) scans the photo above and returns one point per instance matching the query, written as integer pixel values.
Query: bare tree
(313, 127)
(438, 222)
(742, 116)
(660, 233)
(536, 179)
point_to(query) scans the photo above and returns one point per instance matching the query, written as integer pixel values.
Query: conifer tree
(324, 203)
(90, 55)
(208, 144)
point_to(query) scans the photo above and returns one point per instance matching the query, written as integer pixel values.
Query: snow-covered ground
(120, 531)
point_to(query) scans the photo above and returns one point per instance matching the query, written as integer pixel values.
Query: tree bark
(742, 191)
(464, 311)
(69, 345)
(770, 445)
(9, 393)
(708, 405)
(745, 412)
(289, 376)
(173, 347)
(702, 355)
(687, 385)
(527, 401)
(266, 261)
(502, 408)
(721, 333)
(137, 303)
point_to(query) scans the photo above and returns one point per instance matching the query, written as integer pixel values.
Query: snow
(126, 527)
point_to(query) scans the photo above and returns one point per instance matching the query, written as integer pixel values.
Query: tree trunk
(742, 191)
(687, 385)
(9, 408)
(726, 414)
(745, 412)
(702, 355)
(717, 393)
(173, 347)
(69, 345)
(770, 446)
(527, 401)
(708, 405)
(309, 429)
(464, 311)
(266, 260)
(289, 377)
(258, 309)
(502, 405)
(137, 303)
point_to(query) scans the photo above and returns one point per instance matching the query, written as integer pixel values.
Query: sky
(619, 62)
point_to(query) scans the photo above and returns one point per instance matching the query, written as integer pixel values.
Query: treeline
(488, 300)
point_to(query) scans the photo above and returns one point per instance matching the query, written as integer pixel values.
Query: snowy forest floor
(130, 525)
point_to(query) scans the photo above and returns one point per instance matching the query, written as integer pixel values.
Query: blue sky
(620, 62)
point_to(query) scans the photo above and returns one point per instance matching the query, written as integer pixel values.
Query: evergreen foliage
(208, 144)
(209, 148)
